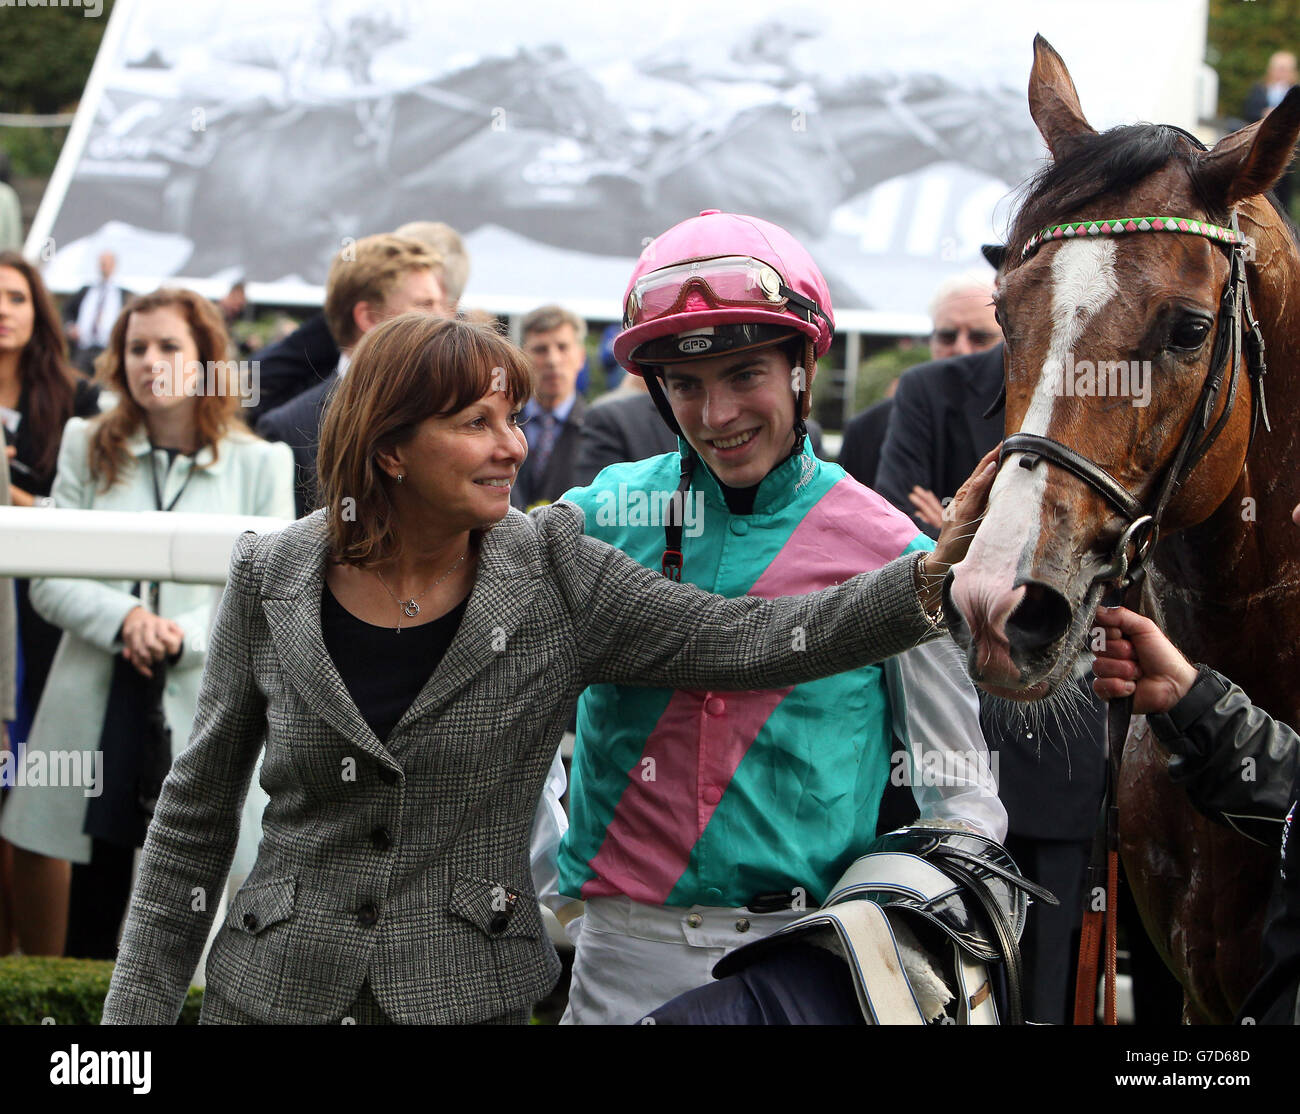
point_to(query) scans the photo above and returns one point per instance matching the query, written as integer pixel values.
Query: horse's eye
(1189, 333)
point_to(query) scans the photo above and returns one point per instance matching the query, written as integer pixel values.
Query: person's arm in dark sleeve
(1235, 761)
(906, 458)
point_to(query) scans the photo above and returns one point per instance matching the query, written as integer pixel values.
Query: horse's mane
(1092, 166)
(1097, 164)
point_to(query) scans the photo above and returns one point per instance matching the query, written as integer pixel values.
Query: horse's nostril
(1040, 619)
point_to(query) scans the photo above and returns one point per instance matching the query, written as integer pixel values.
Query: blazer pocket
(256, 908)
(495, 909)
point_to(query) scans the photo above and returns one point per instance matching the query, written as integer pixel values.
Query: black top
(384, 670)
(85, 404)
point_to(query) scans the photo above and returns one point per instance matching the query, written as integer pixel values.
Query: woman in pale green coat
(174, 441)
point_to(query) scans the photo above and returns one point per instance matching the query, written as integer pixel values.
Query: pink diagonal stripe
(656, 824)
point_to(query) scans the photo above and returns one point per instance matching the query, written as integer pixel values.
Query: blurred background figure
(1266, 95)
(39, 392)
(11, 210)
(310, 354)
(8, 704)
(621, 425)
(90, 314)
(370, 281)
(961, 313)
(553, 339)
(126, 678)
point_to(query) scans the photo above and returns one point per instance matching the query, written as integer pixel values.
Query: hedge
(70, 991)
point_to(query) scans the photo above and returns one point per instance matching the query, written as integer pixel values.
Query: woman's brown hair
(47, 381)
(410, 368)
(218, 399)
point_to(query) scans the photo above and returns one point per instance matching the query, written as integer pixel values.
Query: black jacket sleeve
(1237, 763)
(906, 457)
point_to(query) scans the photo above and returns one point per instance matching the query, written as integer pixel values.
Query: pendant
(410, 609)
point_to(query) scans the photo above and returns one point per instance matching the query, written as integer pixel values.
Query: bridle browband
(1235, 312)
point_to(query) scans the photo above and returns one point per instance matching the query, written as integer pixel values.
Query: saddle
(925, 912)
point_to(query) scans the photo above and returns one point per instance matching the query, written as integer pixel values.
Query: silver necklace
(411, 608)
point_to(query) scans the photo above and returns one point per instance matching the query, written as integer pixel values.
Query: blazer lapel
(291, 601)
(501, 599)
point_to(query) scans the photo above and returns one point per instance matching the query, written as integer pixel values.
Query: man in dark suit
(936, 427)
(89, 315)
(1050, 769)
(370, 281)
(304, 359)
(552, 338)
(864, 437)
(961, 313)
(1266, 95)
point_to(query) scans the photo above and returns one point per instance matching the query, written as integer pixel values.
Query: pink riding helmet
(721, 248)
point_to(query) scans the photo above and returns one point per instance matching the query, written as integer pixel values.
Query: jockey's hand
(1137, 660)
(961, 517)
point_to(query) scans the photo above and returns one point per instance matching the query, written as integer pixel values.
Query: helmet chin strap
(671, 562)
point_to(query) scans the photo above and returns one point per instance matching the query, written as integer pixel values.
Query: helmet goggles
(724, 281)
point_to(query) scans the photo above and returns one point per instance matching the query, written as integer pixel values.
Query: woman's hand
(149, 638)
(1137, 660)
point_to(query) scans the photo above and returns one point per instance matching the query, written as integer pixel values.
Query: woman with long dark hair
(128, 666)
(39, 392)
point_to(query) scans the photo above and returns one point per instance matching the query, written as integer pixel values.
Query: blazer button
(381, 839)
(387, 775)
(250, 922)
(499, 923)
(367, 915)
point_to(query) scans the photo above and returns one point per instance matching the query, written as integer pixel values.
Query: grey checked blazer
(408, 863)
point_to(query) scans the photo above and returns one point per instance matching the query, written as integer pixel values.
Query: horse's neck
(1230, 587)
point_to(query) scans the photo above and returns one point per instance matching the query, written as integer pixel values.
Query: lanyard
(157, 489)
(152, 590)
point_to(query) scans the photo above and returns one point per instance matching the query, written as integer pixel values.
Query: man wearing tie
(90, 314)
(553, 340)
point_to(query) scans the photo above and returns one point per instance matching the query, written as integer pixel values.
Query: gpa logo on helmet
(694, 344)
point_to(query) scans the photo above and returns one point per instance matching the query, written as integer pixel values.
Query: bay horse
(1189, 480)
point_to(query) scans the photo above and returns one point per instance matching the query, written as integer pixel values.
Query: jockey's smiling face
(736, 411)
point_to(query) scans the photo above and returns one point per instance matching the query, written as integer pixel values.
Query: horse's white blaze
(1083, 282)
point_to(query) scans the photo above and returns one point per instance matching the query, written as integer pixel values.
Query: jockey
(701, 821)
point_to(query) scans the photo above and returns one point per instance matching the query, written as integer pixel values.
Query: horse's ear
(1251, 160)
(1053, 100)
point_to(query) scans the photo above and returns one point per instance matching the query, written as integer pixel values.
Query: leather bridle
(1235, 320)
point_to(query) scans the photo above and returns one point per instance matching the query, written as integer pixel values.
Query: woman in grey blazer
(411, 654)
